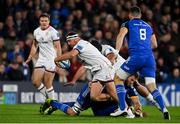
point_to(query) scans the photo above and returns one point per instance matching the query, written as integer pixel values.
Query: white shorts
(47, 65)
(104, 74)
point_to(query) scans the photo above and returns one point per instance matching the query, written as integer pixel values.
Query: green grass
(28, 113)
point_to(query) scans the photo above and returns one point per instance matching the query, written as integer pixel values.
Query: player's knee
(36, 83)
(122, 74)
(117, 80)
(150, 80)
(150, 83)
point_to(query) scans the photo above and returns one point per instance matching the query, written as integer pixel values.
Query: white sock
(42, 89)
(151, 99)
(50, 93)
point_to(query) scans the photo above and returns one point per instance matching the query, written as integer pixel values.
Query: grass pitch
(28, 113)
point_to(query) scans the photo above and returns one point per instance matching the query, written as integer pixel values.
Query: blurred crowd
(92, 19)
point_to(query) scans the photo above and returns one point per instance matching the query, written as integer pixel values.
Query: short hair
(44, 15)
(71, 35)
(135, 11)
(96, 44)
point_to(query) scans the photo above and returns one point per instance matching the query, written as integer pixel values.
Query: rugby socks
(157, 96)
(42, 89)
(84, 92)
(121, 93)
(60, 106)
(50, 93)
(150, 99)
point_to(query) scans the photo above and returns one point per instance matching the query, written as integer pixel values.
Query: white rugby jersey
(45, 39)
(90, 55)
(107, 49)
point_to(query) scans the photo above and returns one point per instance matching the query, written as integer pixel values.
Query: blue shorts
(145, 65)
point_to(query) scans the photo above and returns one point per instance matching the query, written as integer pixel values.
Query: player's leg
(48, 80)
(142, 90)
(82, 103)
(96, 92)
(37, 78)
(121, 91)
(127, 68)
(149, 74)
(111, 90)
(49, 77)
(51, 105)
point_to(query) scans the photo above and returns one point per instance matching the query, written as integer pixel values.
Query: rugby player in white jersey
(47, 45)
(101, 68)
(132, 81)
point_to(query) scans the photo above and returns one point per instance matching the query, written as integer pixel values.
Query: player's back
(139, 37)
(90, 55)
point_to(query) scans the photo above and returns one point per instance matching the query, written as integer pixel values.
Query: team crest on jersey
(79, 47)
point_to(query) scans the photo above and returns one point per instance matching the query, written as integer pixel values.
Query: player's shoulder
(125, 24)
(52, 29)
(83, 42)
(37, 30)
(146, 23)
(105, 46)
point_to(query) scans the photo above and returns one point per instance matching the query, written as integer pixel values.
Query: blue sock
(121, 93)
(60, 106)
(157, 96)
(83, 94)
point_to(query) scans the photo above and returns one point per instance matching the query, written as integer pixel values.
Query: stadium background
(92, 19)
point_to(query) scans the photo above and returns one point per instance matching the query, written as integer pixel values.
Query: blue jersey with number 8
(138, 37)
(139, 46)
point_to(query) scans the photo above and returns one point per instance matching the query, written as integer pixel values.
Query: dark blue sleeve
(125, 24)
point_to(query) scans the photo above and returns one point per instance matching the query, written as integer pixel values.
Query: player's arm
(154, 41)
(78, 74)
(57, 46)
(67, 55)
(32, 52)
(119, 40)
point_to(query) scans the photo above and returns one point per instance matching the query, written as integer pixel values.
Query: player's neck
(45, 28)
(134, 18)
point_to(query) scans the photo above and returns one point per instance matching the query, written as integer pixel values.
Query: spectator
(162, 70)
(21, 24)
(174, 77)
(2, 31)
(3, 75)
(12, 54)
(175, 37)
(85, 30)
(3, 51)
(10, 30)
(14, 72)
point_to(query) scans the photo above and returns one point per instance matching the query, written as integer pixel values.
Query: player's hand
(70, 83)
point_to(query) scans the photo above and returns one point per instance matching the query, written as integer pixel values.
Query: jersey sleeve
(79, 47)
(125, 24)
(55, 35)
(34, 34)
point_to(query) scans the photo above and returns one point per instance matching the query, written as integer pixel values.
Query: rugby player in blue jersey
(141, 40)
